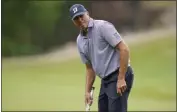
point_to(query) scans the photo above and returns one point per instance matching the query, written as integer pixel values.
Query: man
(105, 54)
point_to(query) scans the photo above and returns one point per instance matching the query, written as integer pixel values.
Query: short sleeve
(110, 34)
(83, 56)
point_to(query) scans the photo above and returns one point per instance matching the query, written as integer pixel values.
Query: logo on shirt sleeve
(116, 35)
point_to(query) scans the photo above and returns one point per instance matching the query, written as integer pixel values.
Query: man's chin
(82, 26)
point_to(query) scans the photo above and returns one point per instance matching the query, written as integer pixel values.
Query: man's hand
(88, 99)
(121, 86)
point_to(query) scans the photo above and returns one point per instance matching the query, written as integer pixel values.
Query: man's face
(81, 21)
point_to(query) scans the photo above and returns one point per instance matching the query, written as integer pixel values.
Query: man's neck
(85, 31)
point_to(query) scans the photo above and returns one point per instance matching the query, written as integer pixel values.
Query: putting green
(60, 86)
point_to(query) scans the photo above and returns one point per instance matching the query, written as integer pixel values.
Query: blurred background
(41, 67)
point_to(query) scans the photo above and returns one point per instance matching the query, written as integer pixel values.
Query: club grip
(92, 90)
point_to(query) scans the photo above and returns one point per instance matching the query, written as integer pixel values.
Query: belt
(111, 74)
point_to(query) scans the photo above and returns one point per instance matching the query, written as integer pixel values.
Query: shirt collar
(90, 24)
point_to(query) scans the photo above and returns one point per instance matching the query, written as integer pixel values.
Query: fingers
(121, 89)
(88, 100)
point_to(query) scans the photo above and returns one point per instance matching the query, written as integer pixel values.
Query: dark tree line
(31, 27)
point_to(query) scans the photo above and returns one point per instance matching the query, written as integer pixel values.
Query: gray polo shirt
(98, 47)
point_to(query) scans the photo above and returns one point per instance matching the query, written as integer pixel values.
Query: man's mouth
(82, 25)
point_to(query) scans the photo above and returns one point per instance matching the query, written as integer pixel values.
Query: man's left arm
(124, 58)
(110, 34)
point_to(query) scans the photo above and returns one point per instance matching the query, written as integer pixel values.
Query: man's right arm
(90, 77)
(90, 74)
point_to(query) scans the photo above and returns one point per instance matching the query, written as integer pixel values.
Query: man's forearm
(124, 58)
(90, 78)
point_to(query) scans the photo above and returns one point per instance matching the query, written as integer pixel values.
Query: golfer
(106, 55)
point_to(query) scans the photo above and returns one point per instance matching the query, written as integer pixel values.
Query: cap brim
(81, 13)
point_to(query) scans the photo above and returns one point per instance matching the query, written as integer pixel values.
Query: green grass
(60, 86)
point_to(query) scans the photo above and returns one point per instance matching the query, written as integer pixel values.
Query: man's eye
(81, 16)
(76, 18)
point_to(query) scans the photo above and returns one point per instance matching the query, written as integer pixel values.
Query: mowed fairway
(29, 85)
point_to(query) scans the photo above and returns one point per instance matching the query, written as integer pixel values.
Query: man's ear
(87, 13)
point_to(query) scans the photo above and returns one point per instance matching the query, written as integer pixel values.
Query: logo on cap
(75, 9)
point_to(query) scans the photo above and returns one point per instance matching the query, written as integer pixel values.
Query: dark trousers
(109, 100)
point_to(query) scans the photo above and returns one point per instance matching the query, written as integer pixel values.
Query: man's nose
(79, 19)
